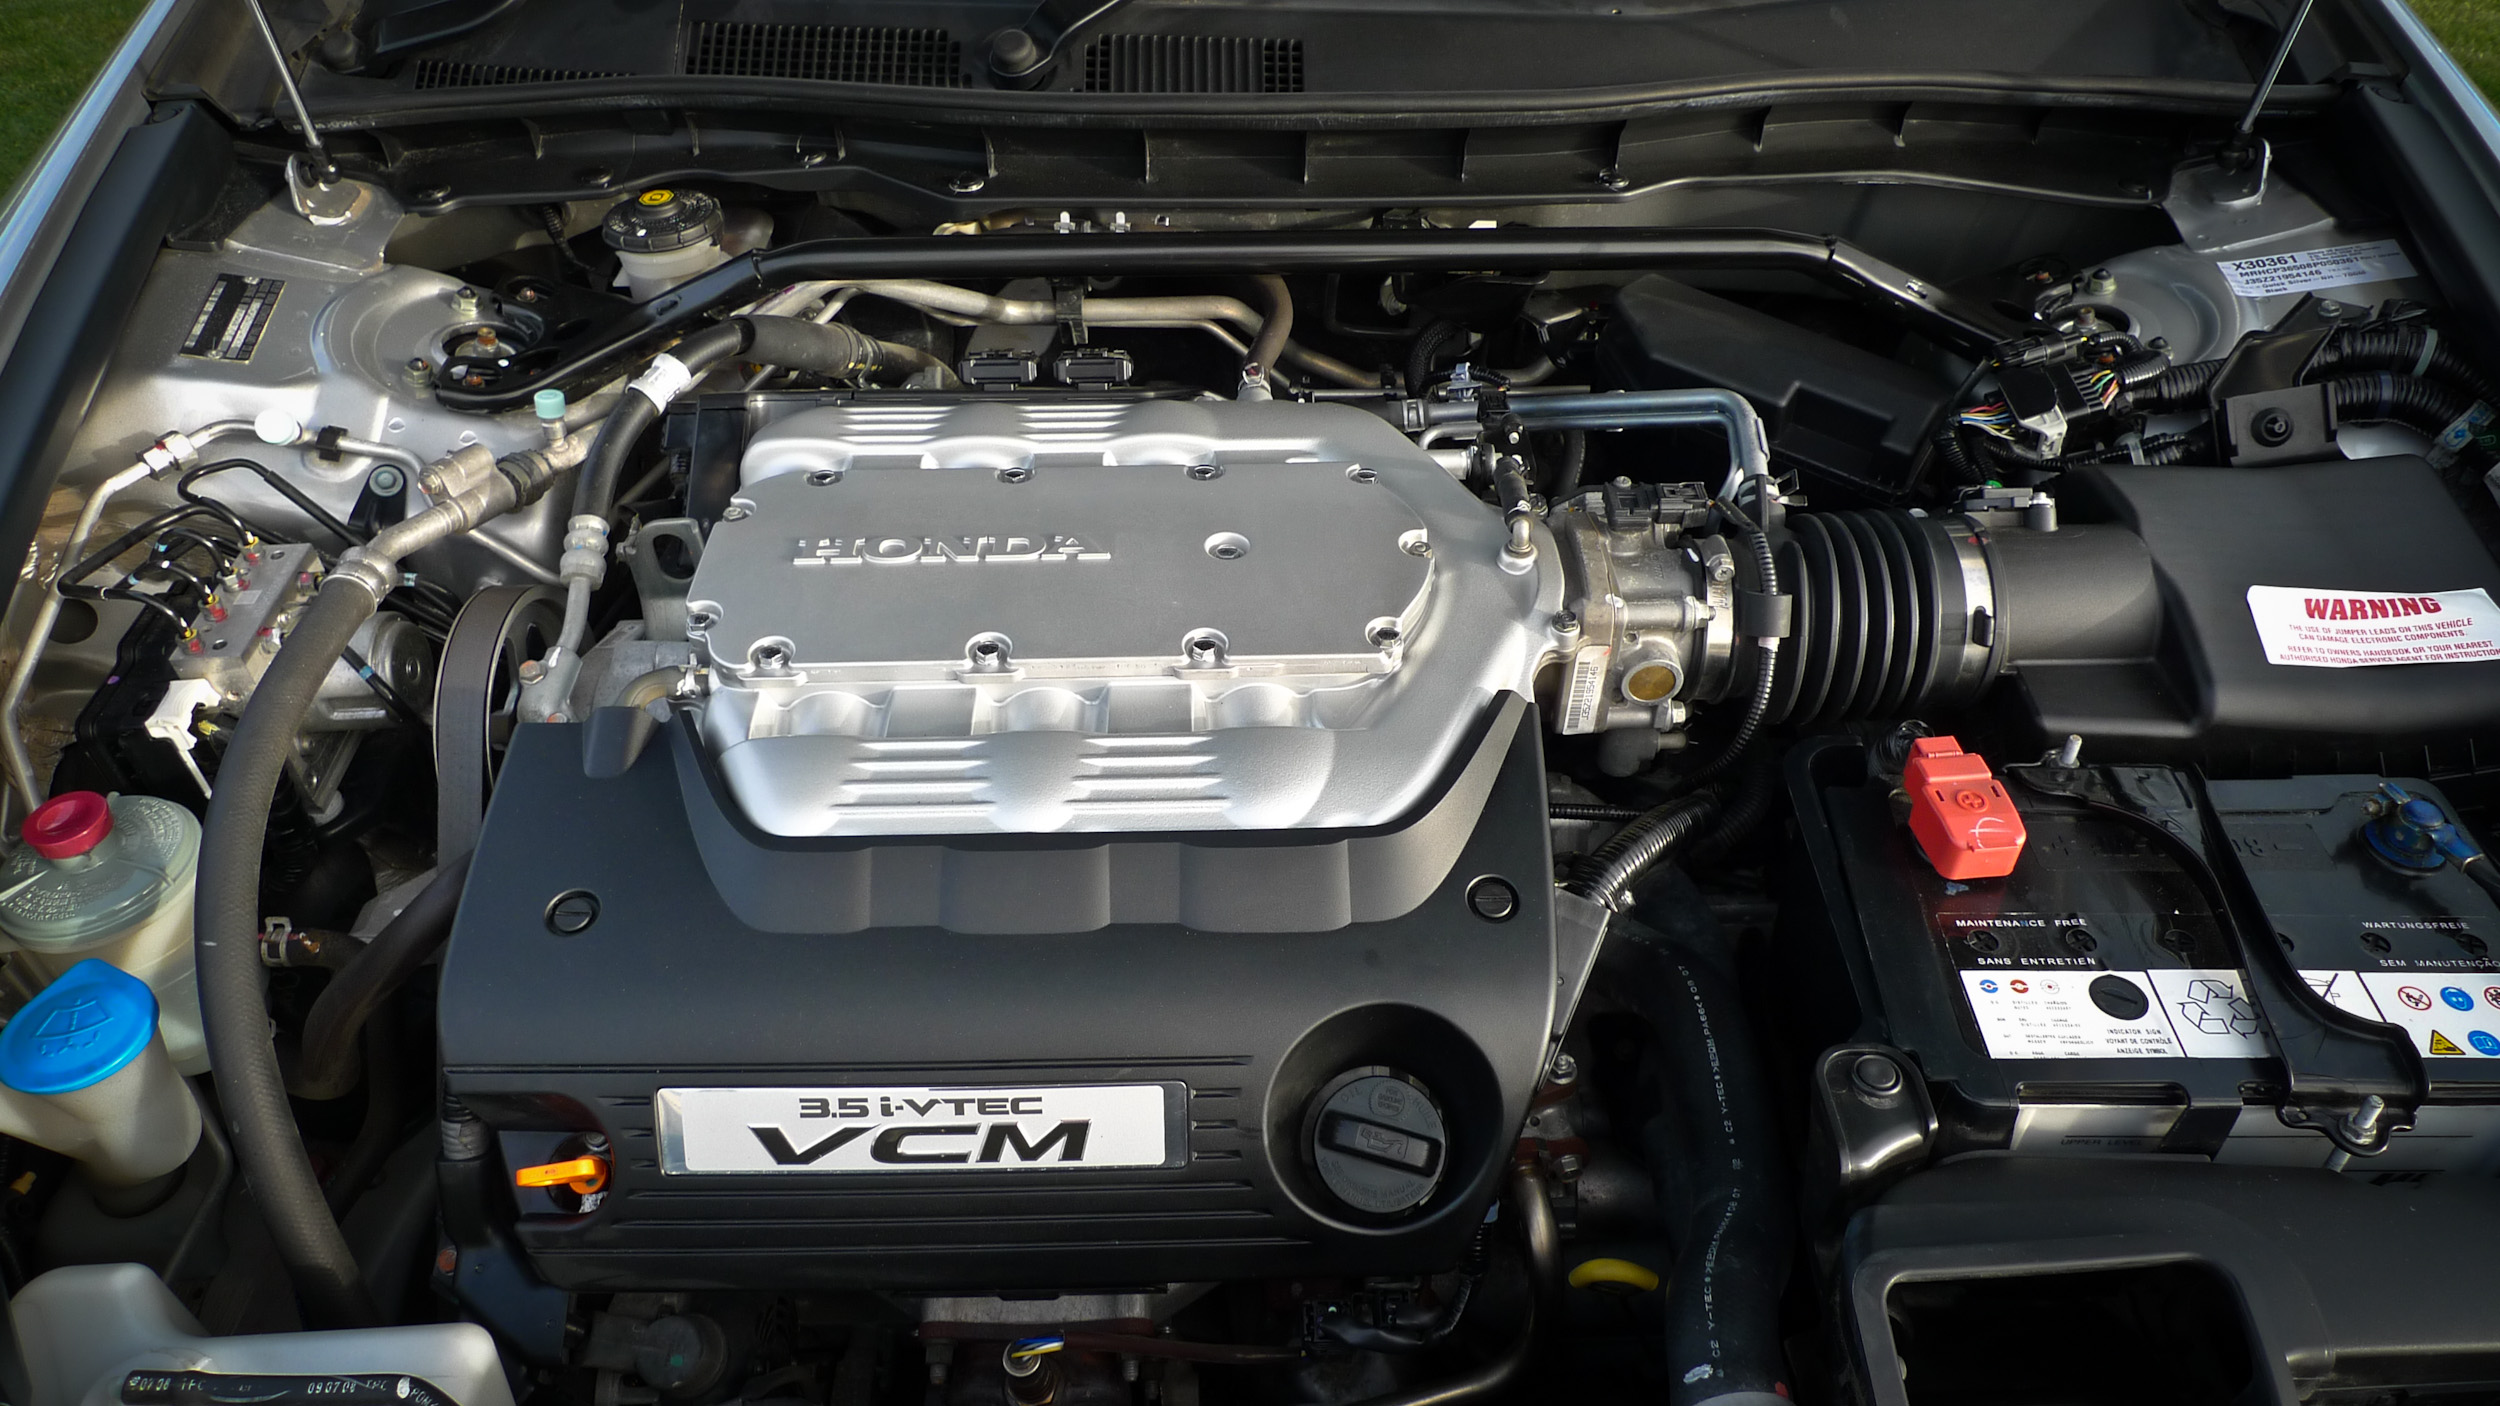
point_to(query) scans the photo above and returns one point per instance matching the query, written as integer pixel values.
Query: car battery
(2094, 1000)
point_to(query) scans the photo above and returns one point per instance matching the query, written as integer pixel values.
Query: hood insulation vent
(906, 58)
(451, 73)
(1192, 63)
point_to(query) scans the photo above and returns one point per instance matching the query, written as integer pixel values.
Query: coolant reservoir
(111, 879)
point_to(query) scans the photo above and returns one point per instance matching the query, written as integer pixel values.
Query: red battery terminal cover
(1964, 821)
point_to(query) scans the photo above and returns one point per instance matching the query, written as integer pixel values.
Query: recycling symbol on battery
(2214, 1008)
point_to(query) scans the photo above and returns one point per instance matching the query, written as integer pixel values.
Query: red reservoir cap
(69, 825)
(1965, 823)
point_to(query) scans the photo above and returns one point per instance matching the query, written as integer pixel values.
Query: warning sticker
(2312, 269)
(2325, 629)
(2452, 1015)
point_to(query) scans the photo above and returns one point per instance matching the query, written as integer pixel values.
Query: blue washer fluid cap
(90, 1022)
(549, 404)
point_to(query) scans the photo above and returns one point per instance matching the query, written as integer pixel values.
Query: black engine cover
(550, 1037)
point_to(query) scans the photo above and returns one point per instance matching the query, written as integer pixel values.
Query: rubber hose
(595, 491)
(1571, 458)
(233, 1004)
(1274, 327)
(1428, 344)
(379, 1132)
(1638, 847)
(325, 1065)
(831, 349)
(1714, 1152)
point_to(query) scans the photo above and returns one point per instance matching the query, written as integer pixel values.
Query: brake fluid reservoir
(111, 879)
(664, 237)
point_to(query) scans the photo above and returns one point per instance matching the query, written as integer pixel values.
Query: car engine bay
(842, 793)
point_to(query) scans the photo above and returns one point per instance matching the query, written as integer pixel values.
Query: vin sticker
(2329, 629)
(232, 317)
(912, 1129)
(2313, 269)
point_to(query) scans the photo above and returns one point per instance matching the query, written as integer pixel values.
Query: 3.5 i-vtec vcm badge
(914, 1129)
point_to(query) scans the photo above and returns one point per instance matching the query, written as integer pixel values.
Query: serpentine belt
(497, 630)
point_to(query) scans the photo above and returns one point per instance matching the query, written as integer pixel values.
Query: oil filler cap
(1378, 1141)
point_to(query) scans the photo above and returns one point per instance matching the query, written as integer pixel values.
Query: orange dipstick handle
(584, 1175)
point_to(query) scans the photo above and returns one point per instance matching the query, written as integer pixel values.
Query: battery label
(2447, 1014)
(2189, 1012)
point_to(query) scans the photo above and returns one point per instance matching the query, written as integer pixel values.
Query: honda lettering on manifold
(912, 1129)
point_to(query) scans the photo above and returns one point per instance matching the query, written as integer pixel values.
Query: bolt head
(1564, 1070)
(572, 912)
(967, 184)
(1493, 900)
(1875, 1075)
(735, 512)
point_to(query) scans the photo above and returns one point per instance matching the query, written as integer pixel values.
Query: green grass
(49, 49)
(2471, 30)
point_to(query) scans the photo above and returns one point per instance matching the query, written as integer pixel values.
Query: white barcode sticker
(2313, 269)
(1584, 691)
(2325, 629)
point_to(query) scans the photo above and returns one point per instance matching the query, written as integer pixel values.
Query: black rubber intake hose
(827, 349)
(234, 1006)
(1887, 623)
(1715, 1154)
(326, 1064)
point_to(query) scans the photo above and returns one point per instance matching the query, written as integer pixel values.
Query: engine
(744, 793)
(1103, 844)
